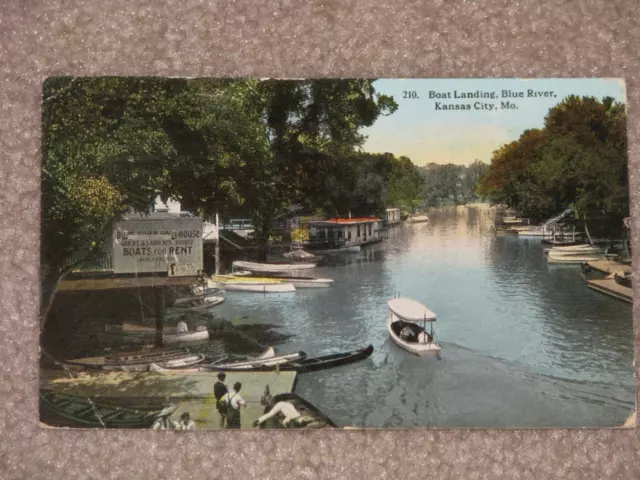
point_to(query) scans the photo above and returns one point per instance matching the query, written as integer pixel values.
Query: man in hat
(219, 391)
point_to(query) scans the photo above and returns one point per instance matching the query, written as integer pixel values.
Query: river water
(524, 344)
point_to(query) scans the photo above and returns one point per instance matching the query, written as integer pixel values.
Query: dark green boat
(62, 410)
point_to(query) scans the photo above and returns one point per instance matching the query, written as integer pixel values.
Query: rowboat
(192, 304)
(319, 363)
(251, 284)
(249, 364)
(139, 361)
(402, 323)
(314, 417)
(59, 409)
(164, 369)
(570, 259)
(272, 268)
(143, 334)
(304, 282)
(594, 251)
(576, 248)
(202, 297)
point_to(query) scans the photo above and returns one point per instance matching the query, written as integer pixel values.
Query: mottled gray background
(281, 38)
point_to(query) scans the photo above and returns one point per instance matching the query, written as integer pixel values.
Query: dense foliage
(579, 158)
(249, 147)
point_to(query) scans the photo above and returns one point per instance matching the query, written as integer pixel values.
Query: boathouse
(344, 232)
(392, 216)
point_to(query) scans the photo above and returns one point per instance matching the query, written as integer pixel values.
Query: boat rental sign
(172, 246)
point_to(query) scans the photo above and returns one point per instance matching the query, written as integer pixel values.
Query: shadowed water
(525, 344)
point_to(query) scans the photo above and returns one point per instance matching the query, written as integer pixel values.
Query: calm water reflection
(524, 343)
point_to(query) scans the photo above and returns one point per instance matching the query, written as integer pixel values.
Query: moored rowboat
(242, 365)
(570, 259)
(59, 409)
(138, 361)
(252, 284)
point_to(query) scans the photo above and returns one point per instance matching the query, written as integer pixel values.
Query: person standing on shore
(234, 402)
(219, 391)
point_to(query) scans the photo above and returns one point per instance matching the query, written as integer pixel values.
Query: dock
(608, 286)
(191, 392)
(608, 266)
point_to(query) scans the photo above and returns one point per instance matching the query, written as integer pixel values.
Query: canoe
(143, 334)
(59, 409)
(404, 330)
(319, 363)
(305, 408)
(136, 361)
(275, 268)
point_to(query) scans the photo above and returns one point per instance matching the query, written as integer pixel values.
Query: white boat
(275, 268)
(251, 284)
(197, 302)
(417, 219)
(304, 282)
(575, 250)
(403, 323)
(247, 364)
(139, 361)
(570, 259)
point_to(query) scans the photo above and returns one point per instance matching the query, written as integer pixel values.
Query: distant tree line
(579, 159)
(451, 184)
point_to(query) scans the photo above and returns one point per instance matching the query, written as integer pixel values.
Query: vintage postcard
(334, 253)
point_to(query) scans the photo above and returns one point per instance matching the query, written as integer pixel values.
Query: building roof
(347, 221)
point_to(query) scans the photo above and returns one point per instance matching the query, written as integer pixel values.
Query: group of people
(229, 404)
(165, 423)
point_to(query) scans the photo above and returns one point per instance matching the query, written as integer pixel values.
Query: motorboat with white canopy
(407, 325)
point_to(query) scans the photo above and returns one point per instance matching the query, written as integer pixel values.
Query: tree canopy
(579, 158)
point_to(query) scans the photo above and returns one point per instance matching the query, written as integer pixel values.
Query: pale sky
(425, 134)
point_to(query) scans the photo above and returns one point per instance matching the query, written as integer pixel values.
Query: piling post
(159, 304)
(217, 253)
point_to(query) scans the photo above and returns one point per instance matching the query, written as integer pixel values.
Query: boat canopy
(272, 267)
(410, 310)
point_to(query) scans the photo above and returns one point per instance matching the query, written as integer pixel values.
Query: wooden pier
(192, 392)
(608, 286)
(608, 266)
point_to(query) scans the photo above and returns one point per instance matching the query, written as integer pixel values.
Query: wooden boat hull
(421, 349)
(58, 409)
(319, 363)
(418, 219)
(305, 408)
